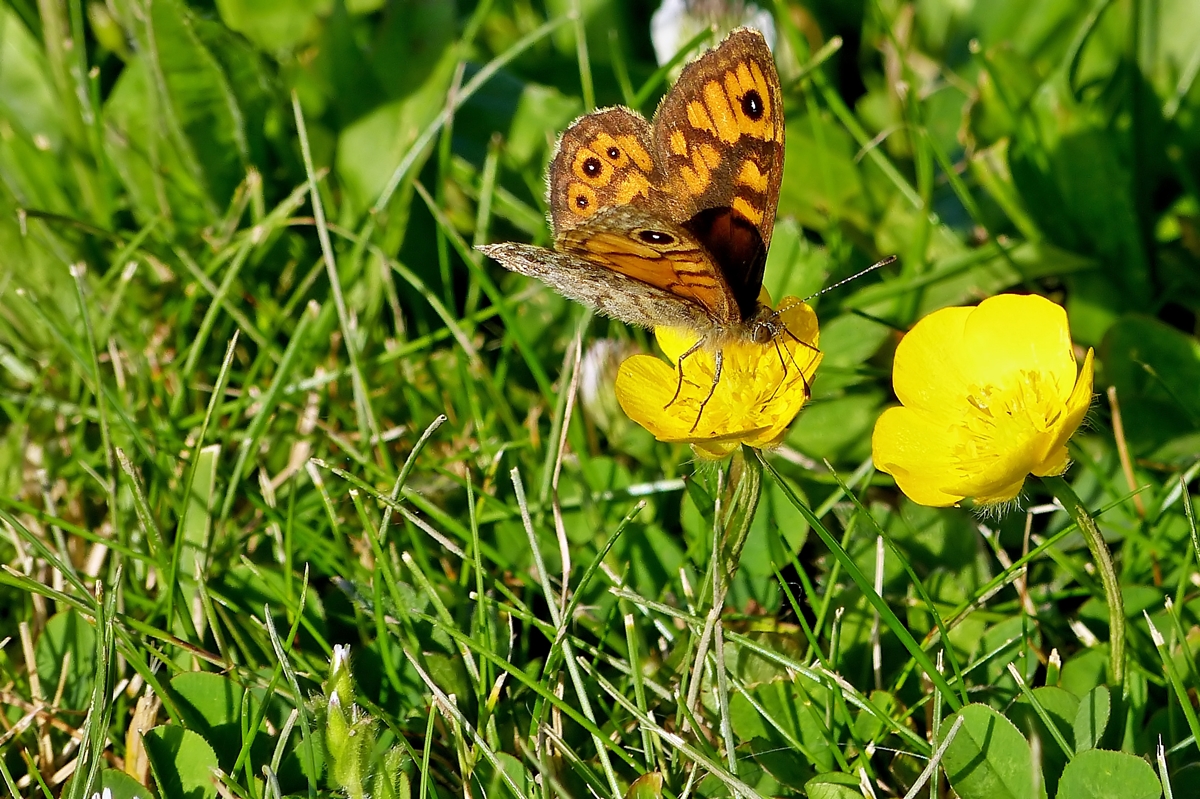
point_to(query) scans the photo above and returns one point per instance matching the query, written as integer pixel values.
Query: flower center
(1002, 422)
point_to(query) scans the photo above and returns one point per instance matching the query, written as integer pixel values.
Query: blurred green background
(182, 332)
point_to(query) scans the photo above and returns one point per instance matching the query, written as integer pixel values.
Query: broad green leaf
(199, 101)
(796, 267)
(67, 642)
(150, 167)
(834, 785)
(1091, 718)
(935, 537)
(754, 669)
(182, 762)
(539, 109)
(516, 772)
(837, 429)
(1062, 707)
(212, 707)
(870, 727)
(789, 767)
(214, 698)
(647, 786)
(194, 530)
(122, 785)
(176, 133)
(1037, 29)
(370, 149)
(998, 635)
(961, 276)
(594, 477)
(112, 784)
(1084, 671)
(989, 758)
(1004, 88)
(821, 179)
(278, 25)
(28, 100)
(1156, 371)
(798, 709)
(32, 149)
(778, 531)
(1068, 166)
(848, 342)
(1100, 774)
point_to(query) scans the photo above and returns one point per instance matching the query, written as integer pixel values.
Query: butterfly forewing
(599, 286)
(651, 250)
(719, 133)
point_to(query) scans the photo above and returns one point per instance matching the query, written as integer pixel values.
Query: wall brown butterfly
(668, 222)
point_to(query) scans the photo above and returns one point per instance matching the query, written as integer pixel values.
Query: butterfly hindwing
(604, 159)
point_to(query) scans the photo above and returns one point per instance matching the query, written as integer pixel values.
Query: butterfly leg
(719, 359)
(775, 333)
(783, 363)
(679, 366)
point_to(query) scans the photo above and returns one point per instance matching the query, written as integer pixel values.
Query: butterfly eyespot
(656, 237)
(614, 153)
(592, 167)
(581, 201)
(752, 105)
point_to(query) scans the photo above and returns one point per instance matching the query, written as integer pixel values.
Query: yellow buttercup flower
(761, 389)
(989, 395)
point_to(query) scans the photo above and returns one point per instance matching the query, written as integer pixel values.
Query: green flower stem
(1102, 557)
(733, 527)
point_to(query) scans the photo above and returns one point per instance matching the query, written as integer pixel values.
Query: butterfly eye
(656, 237)
(752, 105)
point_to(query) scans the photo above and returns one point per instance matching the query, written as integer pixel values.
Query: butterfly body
(667, 223)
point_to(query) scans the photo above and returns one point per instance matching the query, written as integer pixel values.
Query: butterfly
(668, 223)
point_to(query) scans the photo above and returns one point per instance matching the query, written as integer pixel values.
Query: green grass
(260, 397)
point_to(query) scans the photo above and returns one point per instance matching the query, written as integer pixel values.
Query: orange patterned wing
(719, 133)
(639, 245)
(719, 136)
(604, 159)
(668, 223)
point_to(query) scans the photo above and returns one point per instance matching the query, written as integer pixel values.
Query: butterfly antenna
(891, 259)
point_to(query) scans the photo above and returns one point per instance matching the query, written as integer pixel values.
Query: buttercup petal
(990, 395)
(761, 387)
(1055, 463)
(1055, 460)
(918, 453)
(1011, 333)
(1001, 493)
(997, 471)
(674, 341)
(714, 450)
(642, 391)
(928, 372)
